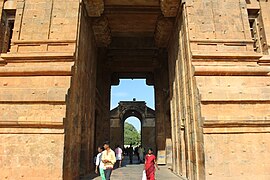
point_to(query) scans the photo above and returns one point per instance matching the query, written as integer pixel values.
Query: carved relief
(169, 8)
(94, 7)
(102, 31)
(162, 33)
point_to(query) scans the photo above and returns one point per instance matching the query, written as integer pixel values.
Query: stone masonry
(208, 61)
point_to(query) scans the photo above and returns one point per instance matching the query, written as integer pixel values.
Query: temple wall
(233, 82)
(56, 22)
(34, 80)
(187, 139)
(52, 110)
(45, 147)
(237, 155)
(80, 121)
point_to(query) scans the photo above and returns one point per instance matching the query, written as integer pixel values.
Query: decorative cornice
(231, 123)
(46, 56)
(163, 28)
(169, 8)
(31, 128)
(94, 7)
(231, 71)
(232, 126)
(226, 55)
(102, 31)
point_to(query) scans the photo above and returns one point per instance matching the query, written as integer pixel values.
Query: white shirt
(118, 153)
(99, 162)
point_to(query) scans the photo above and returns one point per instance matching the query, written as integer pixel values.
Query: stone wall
(103, 89)
(80, 121)
(37, 155)
(237, 155)
(186, 122)
(162, 109)
(34, 80)
(233, 83)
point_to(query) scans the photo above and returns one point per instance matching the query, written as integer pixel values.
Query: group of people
(106, 159)
(138, 151)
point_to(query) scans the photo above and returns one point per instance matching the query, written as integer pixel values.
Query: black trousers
(108, 173)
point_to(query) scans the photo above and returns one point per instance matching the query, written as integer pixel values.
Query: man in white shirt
(119, 155)
(100, 164)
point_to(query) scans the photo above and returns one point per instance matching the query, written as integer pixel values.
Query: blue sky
(129, 89)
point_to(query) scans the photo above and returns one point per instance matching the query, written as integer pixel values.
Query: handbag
(144, 175)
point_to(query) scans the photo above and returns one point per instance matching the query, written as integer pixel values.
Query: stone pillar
(103, 100)
(161, 108)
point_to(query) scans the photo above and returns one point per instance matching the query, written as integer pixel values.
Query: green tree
(131, 135)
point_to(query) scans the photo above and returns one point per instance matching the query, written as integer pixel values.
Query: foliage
(131, 135)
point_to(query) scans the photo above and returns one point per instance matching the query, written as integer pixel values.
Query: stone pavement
(134, 172)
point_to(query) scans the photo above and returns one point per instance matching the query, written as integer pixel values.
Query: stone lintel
(231, 70)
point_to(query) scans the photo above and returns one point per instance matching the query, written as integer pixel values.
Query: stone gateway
(208, 61)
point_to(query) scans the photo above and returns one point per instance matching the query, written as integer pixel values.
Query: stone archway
(138, 109)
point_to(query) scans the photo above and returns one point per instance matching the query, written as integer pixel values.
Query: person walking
(136, 152)
(130, 154)
(99, 163)
(149, 165)
(119, 155)
(108, 158)
(141, 153)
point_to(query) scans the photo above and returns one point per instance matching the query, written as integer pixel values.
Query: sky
(129, 89)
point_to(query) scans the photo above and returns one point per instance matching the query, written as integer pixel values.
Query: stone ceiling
(133, 31)
(132, 18)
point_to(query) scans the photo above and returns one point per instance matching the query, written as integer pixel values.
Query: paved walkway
(134, 172)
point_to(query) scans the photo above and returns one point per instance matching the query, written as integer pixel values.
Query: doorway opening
(132, 90)
(132, 132)
(132, 118)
